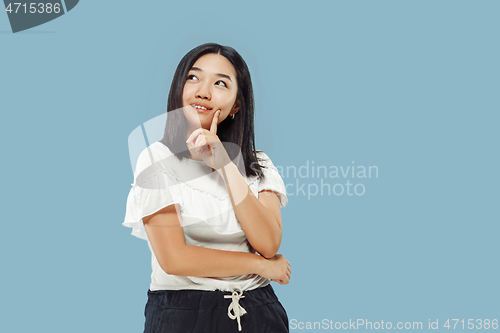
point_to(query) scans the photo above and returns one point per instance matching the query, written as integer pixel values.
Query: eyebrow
(218, 74)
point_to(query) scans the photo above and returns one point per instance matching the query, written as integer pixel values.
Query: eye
(191, 77)
(223, 83)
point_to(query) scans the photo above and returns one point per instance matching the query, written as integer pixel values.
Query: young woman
(209, 205)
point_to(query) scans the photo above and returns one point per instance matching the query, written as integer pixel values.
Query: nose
(204, 91)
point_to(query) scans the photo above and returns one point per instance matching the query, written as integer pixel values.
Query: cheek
(227, 102)
(226, 106)
(185, 94)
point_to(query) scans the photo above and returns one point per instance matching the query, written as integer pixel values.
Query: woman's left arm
(259, 218)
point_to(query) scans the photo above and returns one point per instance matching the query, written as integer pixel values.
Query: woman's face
(210, 86)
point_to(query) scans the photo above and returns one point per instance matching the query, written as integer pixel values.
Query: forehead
(215, 64)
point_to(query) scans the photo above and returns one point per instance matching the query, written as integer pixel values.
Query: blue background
(411, 87)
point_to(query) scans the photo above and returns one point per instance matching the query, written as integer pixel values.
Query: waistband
(203, 299)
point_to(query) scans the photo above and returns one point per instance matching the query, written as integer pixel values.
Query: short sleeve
(272, 180)
(149, 193)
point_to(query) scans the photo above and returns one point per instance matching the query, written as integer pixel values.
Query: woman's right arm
(174, 256)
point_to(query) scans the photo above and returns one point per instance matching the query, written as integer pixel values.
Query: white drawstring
(235, 305)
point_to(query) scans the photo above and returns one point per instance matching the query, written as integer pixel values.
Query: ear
(236, 106)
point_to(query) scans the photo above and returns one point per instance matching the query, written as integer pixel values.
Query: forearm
(191, 260)
(260, 226)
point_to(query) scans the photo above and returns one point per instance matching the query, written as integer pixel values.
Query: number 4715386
(47, 8)
(478, 324)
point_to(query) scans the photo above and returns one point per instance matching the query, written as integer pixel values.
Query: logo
(26, 15)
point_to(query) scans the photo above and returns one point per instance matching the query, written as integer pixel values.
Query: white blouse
(207, 214)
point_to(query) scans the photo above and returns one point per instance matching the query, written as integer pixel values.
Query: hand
(277, 269)
(209, 146)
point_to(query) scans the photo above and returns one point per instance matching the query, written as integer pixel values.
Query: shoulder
(262, 156)
(264, 159)
(152, 159)
(267, 165)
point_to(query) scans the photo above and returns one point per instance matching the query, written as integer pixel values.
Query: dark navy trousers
(198, 311)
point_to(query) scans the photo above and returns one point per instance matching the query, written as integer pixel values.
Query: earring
(232, 116)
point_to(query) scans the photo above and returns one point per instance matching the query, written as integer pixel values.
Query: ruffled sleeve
(150, 192)
(272, 180)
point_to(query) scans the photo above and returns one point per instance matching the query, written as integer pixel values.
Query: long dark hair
(238, 132)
